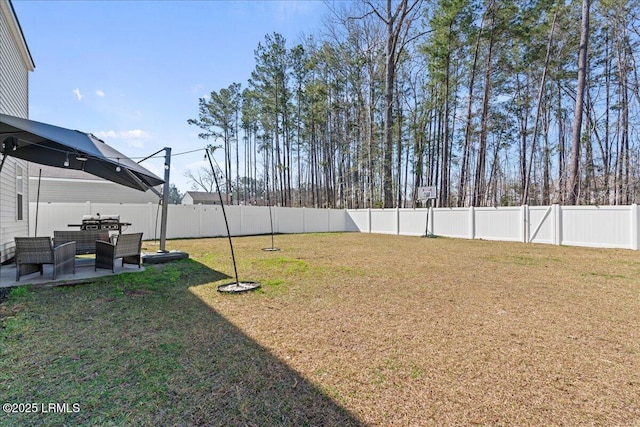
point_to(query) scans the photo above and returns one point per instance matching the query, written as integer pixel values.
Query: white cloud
(124, 134)
(196, 166)
(135, 143)
(134, 137)
(136, 133)
(78, 94)
(155, 169)
(197, 88)
(106, 134)
(288, 10)
(100, 93)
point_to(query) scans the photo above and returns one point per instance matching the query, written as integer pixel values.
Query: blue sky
(131, 72)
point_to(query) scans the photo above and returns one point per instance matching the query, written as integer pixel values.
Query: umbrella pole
(35, 233)
(165, 200)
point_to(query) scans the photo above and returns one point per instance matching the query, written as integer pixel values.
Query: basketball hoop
(426, 194)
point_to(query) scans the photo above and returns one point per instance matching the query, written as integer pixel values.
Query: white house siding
(187, 199)
(60, 190)
(15, 64)
(10, 227)
(200, 198)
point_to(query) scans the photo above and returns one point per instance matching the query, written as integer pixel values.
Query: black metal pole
(271, 223)
(165, 200)
(270, 217)
(224, 214)
(35, 233)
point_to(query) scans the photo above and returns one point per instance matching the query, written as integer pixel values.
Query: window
(19, 194)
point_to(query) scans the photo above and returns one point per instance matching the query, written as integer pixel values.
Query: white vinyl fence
(186, 221)
(596, 226)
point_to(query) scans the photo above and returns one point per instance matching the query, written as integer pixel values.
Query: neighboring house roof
(6, 7)
(202, 197)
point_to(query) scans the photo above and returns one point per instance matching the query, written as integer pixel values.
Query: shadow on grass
(141, 349)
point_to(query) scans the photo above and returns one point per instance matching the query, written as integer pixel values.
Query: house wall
(60, 190)
(194, 198)
(187, 200)
(10, 226)
(15, 64)
(14, 69)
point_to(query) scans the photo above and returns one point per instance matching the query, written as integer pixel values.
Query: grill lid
(99, 217)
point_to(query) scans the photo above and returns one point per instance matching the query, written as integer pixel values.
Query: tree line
(491, 102)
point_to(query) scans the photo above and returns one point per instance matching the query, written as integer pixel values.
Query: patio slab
(85, 271)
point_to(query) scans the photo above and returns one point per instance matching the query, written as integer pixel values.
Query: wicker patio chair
(85, 239)
(33, 252)
(127, 247)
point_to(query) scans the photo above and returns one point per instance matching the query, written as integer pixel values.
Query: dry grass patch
(347, 329)
(412, 331)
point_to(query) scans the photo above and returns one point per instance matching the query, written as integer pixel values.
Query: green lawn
(347, 329)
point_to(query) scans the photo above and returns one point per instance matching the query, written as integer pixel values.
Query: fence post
(369, 220)
(397, 221)
(634, 227)
(557, 224)
(430, 221)
(472, 222)
(524, 212)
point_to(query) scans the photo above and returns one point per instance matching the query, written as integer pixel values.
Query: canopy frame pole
(4, 157)
(5, 151)
(165, 200)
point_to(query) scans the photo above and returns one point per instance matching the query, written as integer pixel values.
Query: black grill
(104, 222)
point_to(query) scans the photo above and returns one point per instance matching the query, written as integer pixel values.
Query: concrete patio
(85, 272)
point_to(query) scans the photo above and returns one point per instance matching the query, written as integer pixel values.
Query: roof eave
(6, 7)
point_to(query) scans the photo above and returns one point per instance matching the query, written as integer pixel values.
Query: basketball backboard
(426, 193)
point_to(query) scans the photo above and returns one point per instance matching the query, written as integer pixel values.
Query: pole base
(238, 287)
(162, 257)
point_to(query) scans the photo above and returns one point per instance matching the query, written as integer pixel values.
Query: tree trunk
(389, 79)
(466, 152)
(574, 173)
(561, 149)
(525, 192)
(480, 181)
